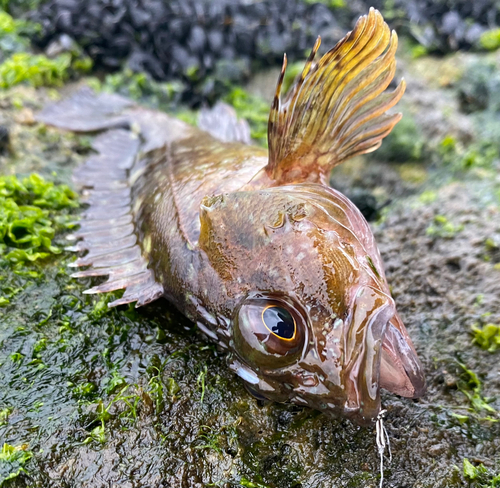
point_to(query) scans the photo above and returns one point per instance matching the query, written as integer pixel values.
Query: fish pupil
(279, 321)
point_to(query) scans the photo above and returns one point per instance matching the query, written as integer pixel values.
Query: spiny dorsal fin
(337, 107)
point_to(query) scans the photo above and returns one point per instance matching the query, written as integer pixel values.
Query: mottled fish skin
(278, 268)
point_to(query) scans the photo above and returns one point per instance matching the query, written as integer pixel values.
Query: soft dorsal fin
(337, 107)
(221, 122)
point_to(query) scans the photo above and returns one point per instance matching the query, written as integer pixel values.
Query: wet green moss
(19, 65)
(12, 461)
(458, 156)
(404, 144)
(479, 476)
(490, 40)
(32, 210)
(470, 385)
(487, 337)
(254, 110)
(443, 227)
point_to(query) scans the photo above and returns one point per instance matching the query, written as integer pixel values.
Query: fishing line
(382, 439)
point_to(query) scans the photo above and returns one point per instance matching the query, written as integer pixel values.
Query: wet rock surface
(138, 398)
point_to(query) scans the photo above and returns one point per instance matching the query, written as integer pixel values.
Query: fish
(252, 244)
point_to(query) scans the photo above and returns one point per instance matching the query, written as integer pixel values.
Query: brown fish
(278, 268)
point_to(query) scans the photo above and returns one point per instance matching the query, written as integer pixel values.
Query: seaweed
(487, 337)
(478, 87)
(405, 143)
(18, 65)
(127, 415)
(253, 109)
(142, 88)
(442, 227)
(32, 210)
(201, 380)
(12, 461)
(479, 475)
(14, 34)
(482, 153)
(490, 39)
(470, 385)
(333, 4)
(38, 70)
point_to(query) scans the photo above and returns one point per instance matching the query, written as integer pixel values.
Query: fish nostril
(309, 379)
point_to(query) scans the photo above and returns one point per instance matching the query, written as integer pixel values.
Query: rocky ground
(136, 398)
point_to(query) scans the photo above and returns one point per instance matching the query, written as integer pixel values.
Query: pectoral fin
(337, 107)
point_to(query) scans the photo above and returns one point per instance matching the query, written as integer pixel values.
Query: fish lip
(364, 334)
(401, 371)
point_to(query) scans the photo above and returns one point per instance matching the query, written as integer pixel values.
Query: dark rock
(445, 25)
(193, 35)
(479, 87)
(187, 39)
(4, 139)
(366, 203)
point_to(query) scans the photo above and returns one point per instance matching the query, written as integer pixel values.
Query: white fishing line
(382, 439)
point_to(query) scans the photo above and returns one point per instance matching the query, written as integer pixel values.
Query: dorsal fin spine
(337, 107)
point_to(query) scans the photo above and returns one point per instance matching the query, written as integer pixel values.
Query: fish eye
(269, 331)
(279, 321)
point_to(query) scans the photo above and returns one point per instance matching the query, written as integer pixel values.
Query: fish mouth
(372, 311)
(400, 369)
(379, 354)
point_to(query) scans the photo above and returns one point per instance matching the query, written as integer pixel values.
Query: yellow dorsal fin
(337, 107)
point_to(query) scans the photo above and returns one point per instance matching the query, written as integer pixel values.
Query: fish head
(312, 319)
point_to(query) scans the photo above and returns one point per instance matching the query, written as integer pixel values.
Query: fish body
(278, 268)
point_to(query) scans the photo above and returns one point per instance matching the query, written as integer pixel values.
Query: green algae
(459, 156)
(470, 385)
(32, 210)
(443, 227)
(19, 5)
(12, 461)
(490, 39)
(333, 4)
(126, 415)
(428, 196)
(479, 475)
(18, 65)
(142, 88)
(14, 34)
(250, 484)
(404, 144)
(201, 382)
(37, 70)
(253, 109)
(487, 337)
